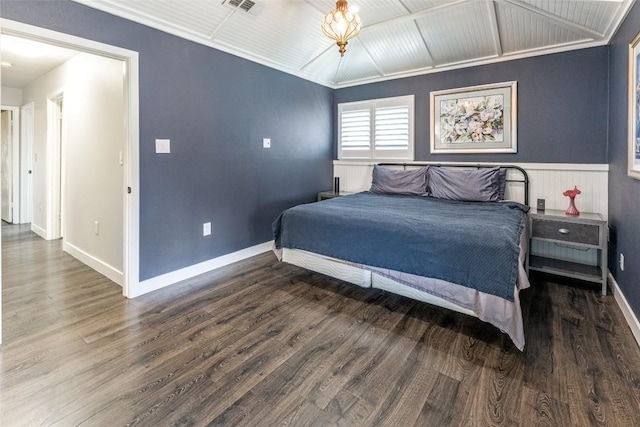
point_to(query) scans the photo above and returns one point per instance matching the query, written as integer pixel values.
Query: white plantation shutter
(355, 129)
(376, 129)
(392, 128)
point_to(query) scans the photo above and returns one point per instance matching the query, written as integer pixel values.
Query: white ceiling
(29, 60)
(399, 37)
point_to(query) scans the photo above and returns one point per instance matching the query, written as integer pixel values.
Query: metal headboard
(524, 180)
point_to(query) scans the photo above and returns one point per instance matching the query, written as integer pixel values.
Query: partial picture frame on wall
(475, 119)
(634, 107)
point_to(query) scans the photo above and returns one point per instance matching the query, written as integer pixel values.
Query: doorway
(5, 167)
(10, 164)
(130, 190)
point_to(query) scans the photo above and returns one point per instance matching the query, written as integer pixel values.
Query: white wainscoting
(546, 181)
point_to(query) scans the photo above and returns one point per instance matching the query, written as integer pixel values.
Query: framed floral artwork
(477, 119)
(634, 108)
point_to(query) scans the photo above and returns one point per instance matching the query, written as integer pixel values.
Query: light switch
(266, 142)
(163, 146)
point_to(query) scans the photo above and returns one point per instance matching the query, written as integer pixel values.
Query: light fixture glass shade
(341, 25)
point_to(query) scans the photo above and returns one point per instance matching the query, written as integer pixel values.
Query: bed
(444, 235)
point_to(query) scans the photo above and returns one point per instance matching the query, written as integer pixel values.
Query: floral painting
(634, 108)
(474, 120)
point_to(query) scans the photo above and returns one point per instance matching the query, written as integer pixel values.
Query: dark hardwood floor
(265, 343)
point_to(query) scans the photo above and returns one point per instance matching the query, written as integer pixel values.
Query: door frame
(26, 161)
(131, 214)
(15, 161)
(55, 164)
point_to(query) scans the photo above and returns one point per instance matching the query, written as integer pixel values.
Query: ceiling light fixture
(341, 25)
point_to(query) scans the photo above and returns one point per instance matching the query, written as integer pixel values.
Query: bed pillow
(481, 185)
(392, 181)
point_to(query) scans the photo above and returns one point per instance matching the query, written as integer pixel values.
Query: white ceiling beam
(432, 59)
(549, 17)
(404, 6)
(495, 27)
(315, 58)
(373, 61)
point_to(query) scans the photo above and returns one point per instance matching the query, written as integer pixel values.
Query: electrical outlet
(206, 229)
(621, 262)
(266, 142)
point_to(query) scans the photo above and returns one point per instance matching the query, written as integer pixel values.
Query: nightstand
(323, 195)
(588, 230)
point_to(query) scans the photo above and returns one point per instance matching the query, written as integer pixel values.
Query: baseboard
(93, 262)
(176, 276)
(39, 231)
(628, 313)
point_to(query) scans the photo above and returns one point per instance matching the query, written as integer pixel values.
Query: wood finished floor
(265, 343)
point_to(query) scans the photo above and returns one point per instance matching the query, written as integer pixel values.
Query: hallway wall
(93, 178)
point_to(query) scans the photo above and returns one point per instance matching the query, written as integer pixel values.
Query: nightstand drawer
(566, 231)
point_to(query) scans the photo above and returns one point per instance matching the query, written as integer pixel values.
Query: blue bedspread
(473, 244)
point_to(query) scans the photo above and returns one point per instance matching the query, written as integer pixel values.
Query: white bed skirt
(505, 315)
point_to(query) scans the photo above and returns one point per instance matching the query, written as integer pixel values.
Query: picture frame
(634, 108)
(475, 119)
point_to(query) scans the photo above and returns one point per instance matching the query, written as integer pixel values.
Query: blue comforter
(474, 244)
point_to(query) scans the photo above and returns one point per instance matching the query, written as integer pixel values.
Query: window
(376, 129)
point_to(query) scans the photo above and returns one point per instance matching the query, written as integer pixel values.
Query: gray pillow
(467, 185)
(392, 181)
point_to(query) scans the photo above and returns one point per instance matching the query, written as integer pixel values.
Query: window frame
(372, 153)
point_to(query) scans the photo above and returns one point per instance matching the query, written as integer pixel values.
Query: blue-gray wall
(215, 108)
(562, 106)
(624, 192)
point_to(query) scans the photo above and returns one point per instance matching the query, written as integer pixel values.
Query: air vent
(244, 5)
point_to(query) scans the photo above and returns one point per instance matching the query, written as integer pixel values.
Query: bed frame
(371, 279)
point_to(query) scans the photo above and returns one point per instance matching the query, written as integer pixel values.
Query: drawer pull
(563, 231)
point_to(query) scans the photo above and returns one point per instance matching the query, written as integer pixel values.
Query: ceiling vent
(249, 6)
